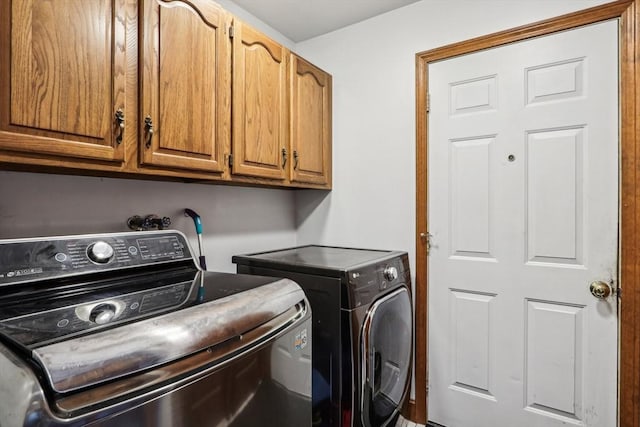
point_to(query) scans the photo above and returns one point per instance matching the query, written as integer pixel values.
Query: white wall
(235, 219)
(373, 67)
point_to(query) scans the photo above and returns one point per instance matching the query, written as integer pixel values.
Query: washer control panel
(38, 259)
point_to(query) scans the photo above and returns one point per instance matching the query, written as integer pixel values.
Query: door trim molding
(629, 323)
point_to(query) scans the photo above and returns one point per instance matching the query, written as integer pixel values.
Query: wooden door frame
(629, 324)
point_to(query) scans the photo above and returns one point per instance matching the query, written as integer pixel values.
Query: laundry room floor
(406, 423)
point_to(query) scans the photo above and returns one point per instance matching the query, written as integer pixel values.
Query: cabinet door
(310, 123)
(260, 106)
(186, 89)
(62, 77)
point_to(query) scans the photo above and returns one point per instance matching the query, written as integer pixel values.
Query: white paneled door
(523, 212)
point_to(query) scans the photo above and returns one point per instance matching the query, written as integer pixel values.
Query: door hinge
(428, 102)
(426, 239)
(231, 32)
(230, 160)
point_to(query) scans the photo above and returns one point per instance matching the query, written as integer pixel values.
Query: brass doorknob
(600, 289)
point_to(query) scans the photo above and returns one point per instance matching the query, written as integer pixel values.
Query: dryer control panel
(367, 283)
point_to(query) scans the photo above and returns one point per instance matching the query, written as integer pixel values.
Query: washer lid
(92, 359)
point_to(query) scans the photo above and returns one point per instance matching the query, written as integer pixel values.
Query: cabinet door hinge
(231, 32)
(230, 160)
(428, 102)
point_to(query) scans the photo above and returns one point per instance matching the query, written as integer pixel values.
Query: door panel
(554, 368)
(554, 195)
(386, 343)
(260, 99)
(523, 210)
(470, 197)
(185, 87)
(62, 84)
(310, 123)
(471, 325)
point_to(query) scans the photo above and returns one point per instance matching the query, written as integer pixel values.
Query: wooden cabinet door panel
(62, 77)
(310, 123)
(185, 85)
(260, 107)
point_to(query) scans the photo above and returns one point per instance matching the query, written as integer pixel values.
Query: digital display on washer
(160, 247)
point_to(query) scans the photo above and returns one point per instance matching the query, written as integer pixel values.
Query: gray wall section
(235, 219)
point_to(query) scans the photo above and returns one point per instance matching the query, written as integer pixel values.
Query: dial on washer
(100, 252)
(103, 313)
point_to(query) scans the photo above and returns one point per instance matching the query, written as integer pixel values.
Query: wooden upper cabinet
(62, 77)
(147, 87)
(260, 104)
(310, 123)
(185, 111)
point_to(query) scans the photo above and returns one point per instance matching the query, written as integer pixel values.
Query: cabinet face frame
(311, 93)
(200, 148)
(62, 112)
(260, 141)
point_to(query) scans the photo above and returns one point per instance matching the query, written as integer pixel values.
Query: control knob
(390, 273)
(100, 252)
(102, 313)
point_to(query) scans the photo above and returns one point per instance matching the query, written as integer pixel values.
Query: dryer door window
(386, 344)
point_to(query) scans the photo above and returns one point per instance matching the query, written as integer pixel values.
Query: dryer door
(386, 344)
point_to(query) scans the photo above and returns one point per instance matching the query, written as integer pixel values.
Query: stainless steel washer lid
(90, 360)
